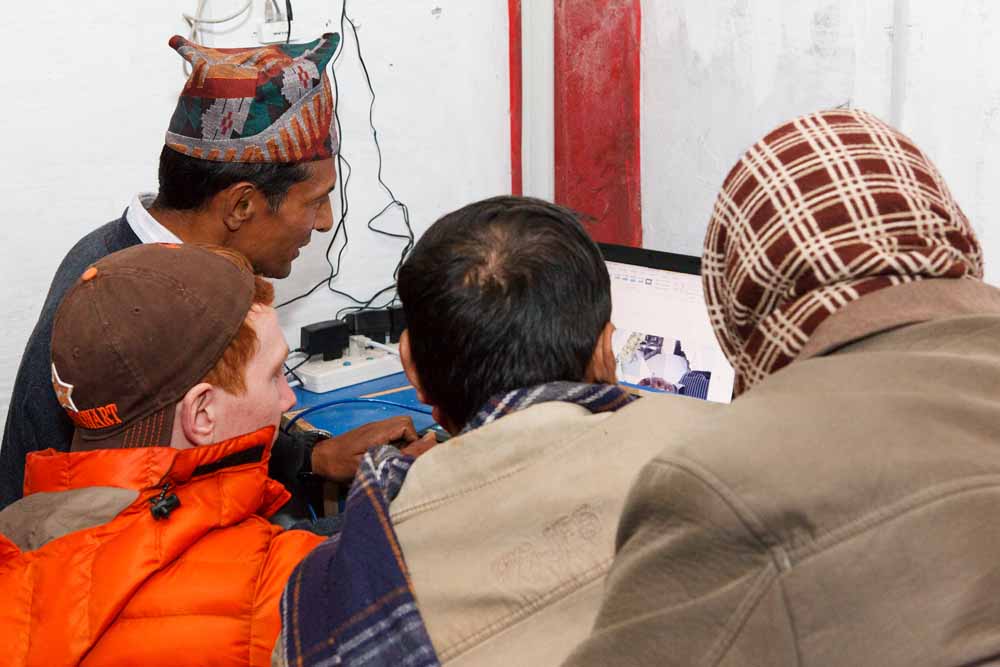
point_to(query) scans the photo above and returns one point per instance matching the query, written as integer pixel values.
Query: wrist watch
(309, 440)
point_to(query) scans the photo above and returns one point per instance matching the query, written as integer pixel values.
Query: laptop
(663, 340)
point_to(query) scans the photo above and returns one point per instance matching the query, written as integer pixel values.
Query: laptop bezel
(651, 259)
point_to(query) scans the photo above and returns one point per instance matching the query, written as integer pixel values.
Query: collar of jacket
(899, 306)
(243, 459)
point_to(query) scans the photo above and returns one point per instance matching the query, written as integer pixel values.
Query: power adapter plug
(383, 325)
(328, 338)
(374, 324)
(398, 319)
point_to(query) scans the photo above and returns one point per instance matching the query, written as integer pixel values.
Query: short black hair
(505, 293)
(187, 183)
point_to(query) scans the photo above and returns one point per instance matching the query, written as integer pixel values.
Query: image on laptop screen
(663, 340)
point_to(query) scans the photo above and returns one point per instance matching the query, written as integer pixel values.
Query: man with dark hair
(248, 164)
(507, 529)
(513, 294)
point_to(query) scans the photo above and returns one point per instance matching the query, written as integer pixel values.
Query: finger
(403, 429)
(420, 446)
(353, 443)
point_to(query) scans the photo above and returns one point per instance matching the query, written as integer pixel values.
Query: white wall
(718, 75)
(89, 88)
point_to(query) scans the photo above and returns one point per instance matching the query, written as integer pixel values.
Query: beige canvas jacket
(508, 531)
(844, 512)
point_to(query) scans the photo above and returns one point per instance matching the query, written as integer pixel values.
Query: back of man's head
(502, 294)
(142, 327)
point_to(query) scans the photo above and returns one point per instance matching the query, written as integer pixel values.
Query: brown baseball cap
(136, 332)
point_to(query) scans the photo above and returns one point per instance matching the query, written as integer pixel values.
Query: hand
(415, 449)
(337, 458)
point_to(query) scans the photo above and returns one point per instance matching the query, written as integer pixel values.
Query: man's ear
(602, 366)
(198, 414)
(239, 203)
(406, 358)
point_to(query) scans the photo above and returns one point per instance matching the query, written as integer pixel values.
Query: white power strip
(321, 376)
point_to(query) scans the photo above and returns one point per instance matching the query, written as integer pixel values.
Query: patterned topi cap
(269, 104)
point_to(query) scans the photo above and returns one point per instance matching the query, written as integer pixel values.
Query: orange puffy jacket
(89, 576)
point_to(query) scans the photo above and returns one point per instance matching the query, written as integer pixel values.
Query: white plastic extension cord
(321, 376)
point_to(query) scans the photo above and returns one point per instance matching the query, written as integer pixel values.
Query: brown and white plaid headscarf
(822, 211)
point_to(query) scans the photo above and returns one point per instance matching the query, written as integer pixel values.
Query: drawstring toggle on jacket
(162, 505)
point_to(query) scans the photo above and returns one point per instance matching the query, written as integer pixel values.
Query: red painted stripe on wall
(516, 113)
(597, 115)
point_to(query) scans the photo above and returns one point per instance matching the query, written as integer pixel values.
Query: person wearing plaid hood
(842, 511)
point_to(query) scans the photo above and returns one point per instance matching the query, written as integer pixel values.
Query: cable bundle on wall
(273, 12)
(344, 167)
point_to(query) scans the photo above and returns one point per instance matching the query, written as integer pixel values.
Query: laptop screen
(663, 339)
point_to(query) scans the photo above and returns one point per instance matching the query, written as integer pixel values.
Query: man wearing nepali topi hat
(248, 164)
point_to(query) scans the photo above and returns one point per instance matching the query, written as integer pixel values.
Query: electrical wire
(380, 346)
(394, 202)
(290, 370)
(344, 168)
(344, 171)
(346, 401)
(195, 21)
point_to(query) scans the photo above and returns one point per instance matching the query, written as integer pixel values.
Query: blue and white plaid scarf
(351, 602)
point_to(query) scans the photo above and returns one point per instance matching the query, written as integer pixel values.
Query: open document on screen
(663, 339)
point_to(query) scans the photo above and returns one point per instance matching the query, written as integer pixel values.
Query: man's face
(273, 239)
(267, 392)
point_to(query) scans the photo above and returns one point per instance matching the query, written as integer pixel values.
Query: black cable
(290, 370)
(367, 305)
(295, 377)
(393, 200)
(342, 162)
(288, 16)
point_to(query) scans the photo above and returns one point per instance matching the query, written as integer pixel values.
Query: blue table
(341, 418)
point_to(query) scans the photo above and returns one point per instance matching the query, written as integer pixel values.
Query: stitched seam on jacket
(96, 547)
(442, 500)
(455, 495)
(560, 592)
(734, 624)
(753, 525)
(893, 511)
(29, 581)
(264, 553)
(791, 621)
(778, 556)
(121, 619)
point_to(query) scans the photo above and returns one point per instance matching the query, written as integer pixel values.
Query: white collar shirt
(144, 225)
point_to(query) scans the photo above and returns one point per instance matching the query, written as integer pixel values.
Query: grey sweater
(35, 420)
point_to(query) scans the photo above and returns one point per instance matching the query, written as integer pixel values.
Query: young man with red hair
(149, 541)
